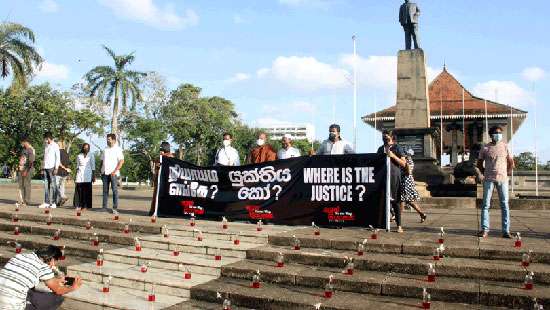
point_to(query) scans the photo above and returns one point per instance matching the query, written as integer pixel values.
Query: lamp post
(354, 38)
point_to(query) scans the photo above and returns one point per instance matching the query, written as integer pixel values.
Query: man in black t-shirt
(397, 156)
(62, 173)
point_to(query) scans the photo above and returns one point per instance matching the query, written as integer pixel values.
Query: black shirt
(64, 159)
(398, 151)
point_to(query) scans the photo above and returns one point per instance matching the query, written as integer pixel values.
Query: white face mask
(226, 143)
(260, 142)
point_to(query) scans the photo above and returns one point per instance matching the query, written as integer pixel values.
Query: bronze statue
(408, 18)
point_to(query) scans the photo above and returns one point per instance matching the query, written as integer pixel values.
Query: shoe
(63, 201)
(483, 234)
(53, 206)
(115, 212)
(399, 229)
(507, 235)
(423, 217)
(44, 205)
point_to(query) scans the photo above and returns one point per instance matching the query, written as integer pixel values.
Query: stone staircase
(129, 286)
(391, 274)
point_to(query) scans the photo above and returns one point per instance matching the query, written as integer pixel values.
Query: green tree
(117, 84)
(38, 109)
(196, 124)
(18, 56)
(525, 161)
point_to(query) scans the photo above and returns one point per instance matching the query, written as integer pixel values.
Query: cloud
(302, 107)
(533, 74)
(53, 71)
(239, 77)
(508, 92)
(298, 107)
(305, 73)
(238, 19)
(147, 12)
(270, 121)
(48, 6)
(262, 72)
(317, 4)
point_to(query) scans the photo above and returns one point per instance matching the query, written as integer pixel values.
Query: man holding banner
(335, 145)
(398, 160)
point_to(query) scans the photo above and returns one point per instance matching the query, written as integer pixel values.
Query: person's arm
(348, 149)
(92, 166)
(237, 159)
(57, 162)
(398, 157)
(510, 162)
(119, 163)
(58, 285)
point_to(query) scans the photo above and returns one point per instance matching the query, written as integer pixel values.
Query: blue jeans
(50, 187)
(502, 189)
(113, 182)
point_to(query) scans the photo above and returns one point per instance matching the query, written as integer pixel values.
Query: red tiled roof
(446, 91)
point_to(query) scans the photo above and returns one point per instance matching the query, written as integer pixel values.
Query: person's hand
(68, 170)
(77, 282)
(24, 173)
(93, 178)
(55, 171)
(113, 173)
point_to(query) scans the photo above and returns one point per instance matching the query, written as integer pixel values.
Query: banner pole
(158, 189)
(388, 192)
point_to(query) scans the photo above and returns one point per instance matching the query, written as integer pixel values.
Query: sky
(290, 61)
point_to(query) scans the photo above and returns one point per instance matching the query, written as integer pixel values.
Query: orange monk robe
(261, 154)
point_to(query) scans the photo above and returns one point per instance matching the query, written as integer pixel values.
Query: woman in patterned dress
(409, 194)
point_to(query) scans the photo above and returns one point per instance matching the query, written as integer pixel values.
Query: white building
(298, 132)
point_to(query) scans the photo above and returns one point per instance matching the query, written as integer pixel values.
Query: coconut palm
(116, 84)
(18, 56)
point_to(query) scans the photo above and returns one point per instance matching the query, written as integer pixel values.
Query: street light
(354, 38)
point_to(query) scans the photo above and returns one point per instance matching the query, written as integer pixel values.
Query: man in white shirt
(288, 151)
(335, 145)
(112, 160)
(25, 271)
(227, 155)
(49, 171)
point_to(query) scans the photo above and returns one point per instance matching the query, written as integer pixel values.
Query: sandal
(423, 217)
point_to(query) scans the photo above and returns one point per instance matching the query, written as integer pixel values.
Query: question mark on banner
(279, 189)
(214, 189)
(362, 191)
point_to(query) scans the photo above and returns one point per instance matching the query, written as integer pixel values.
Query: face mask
(496, 137)
(226, 143)
(332, 136)
(260, 142)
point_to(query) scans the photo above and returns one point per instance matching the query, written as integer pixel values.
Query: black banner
(338, 190)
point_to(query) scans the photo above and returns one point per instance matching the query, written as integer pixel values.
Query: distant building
(298, 132)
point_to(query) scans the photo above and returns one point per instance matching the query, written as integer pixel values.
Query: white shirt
(51, 156)
(21, 273)
(291, 152)
(110, 158)
(339, 147)
(227, 156)
(85, 165)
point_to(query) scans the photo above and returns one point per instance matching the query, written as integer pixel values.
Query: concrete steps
(130, 276)
(274, 297)
(129, 286)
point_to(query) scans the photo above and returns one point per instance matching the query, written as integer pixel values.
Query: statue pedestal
(412, 117)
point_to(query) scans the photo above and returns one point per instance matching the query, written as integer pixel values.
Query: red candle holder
(280, 264)
(187, 275)
(349, 272)
(296, 247)
(153, 219)
(374, 236)
(17, 250)
(236, 242)
(47, 211)
(176, 253)
(95, 242)
(138, 248)
(105, 290)
(151, 297)
(328, 294)
(528, 286)
(116, 217)
(255, 284)
(431, 278)
(217, 257)
(99, 262)
(426, 305)
(440, 240)
(517, 244)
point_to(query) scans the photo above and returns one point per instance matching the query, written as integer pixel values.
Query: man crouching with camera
(25, 271)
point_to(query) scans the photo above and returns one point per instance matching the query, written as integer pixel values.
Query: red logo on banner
(335, 215)
(189, 207)
(256, 214)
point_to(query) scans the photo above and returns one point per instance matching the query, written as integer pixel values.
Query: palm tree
(17, 53)
(116, 83)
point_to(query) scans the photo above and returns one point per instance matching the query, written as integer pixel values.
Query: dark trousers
(395, 189)
(83, 195)
(43, 300)
(110, 180)
(411, 32)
